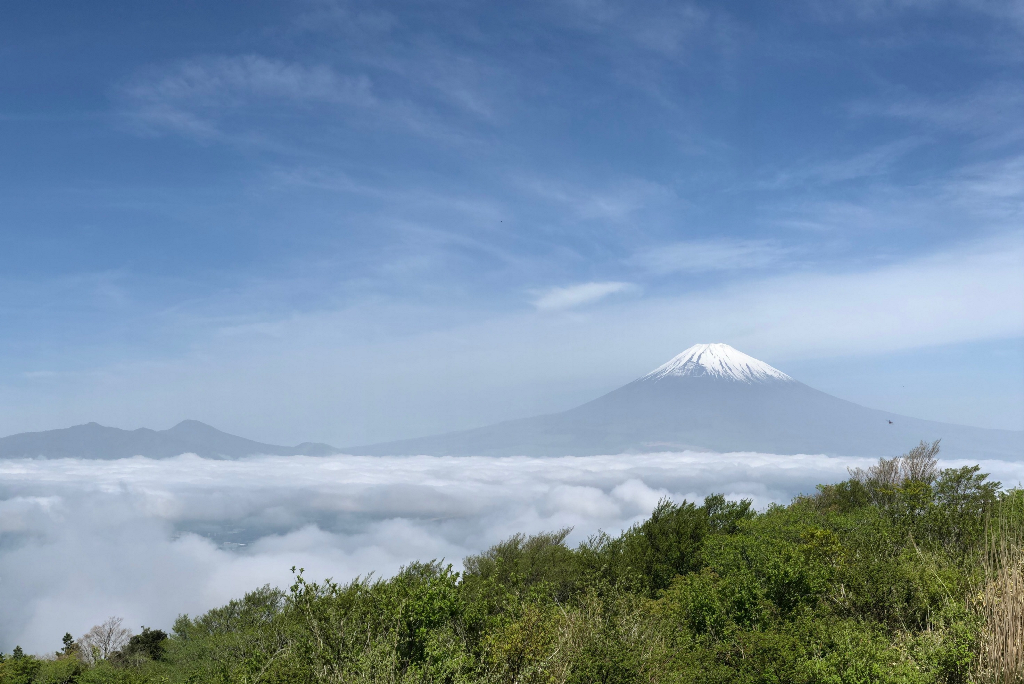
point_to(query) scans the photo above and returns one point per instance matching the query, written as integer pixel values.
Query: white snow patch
(718, 361)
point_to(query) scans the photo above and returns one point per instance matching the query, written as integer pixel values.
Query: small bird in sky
(890, 422)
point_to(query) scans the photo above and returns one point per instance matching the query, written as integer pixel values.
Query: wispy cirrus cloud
(243, 98)
(987, 196)
(991, 109)
(612, 202)
(194, 95)
(663, 29)
(1010, 13)
(704, 256)
(868, 164)
(559, 298)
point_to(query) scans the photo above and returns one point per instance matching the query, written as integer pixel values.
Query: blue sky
(352, 222)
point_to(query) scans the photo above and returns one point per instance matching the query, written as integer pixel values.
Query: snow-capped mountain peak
(718, 361)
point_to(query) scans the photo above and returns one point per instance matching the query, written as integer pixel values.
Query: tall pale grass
(1002, 605)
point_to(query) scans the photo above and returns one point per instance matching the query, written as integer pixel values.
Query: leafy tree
(147, 644)
(69, 648)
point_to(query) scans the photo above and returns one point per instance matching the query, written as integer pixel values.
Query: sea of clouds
(145, 539)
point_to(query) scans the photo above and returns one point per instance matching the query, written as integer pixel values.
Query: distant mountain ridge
(713, 397)
(187, 437)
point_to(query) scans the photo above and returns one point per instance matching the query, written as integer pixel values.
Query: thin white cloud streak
(82, 539)
(704, 256)
(1011, 12)
(615, 204)
(191, 97)
(666, 33)
(989, 109)
(558, 298)
(871, 163)
(225, 98)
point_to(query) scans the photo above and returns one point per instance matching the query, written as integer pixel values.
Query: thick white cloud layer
(149, 539)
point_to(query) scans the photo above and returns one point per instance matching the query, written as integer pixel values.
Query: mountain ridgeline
(714, 398)
(187, 437)
(709, 398)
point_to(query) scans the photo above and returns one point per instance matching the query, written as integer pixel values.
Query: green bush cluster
(867, 580)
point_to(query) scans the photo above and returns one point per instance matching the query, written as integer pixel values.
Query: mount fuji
(713, 398)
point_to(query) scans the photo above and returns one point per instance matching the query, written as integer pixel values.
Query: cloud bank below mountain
(149, 539)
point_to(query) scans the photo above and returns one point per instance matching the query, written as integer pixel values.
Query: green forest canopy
(903, 573)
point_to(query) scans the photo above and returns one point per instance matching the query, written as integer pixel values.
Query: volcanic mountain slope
(187, 437)
(714, 398)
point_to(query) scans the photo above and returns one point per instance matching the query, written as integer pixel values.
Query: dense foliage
(875, 579)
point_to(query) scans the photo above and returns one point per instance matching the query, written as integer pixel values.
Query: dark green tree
(70, 647)
(149, 643)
